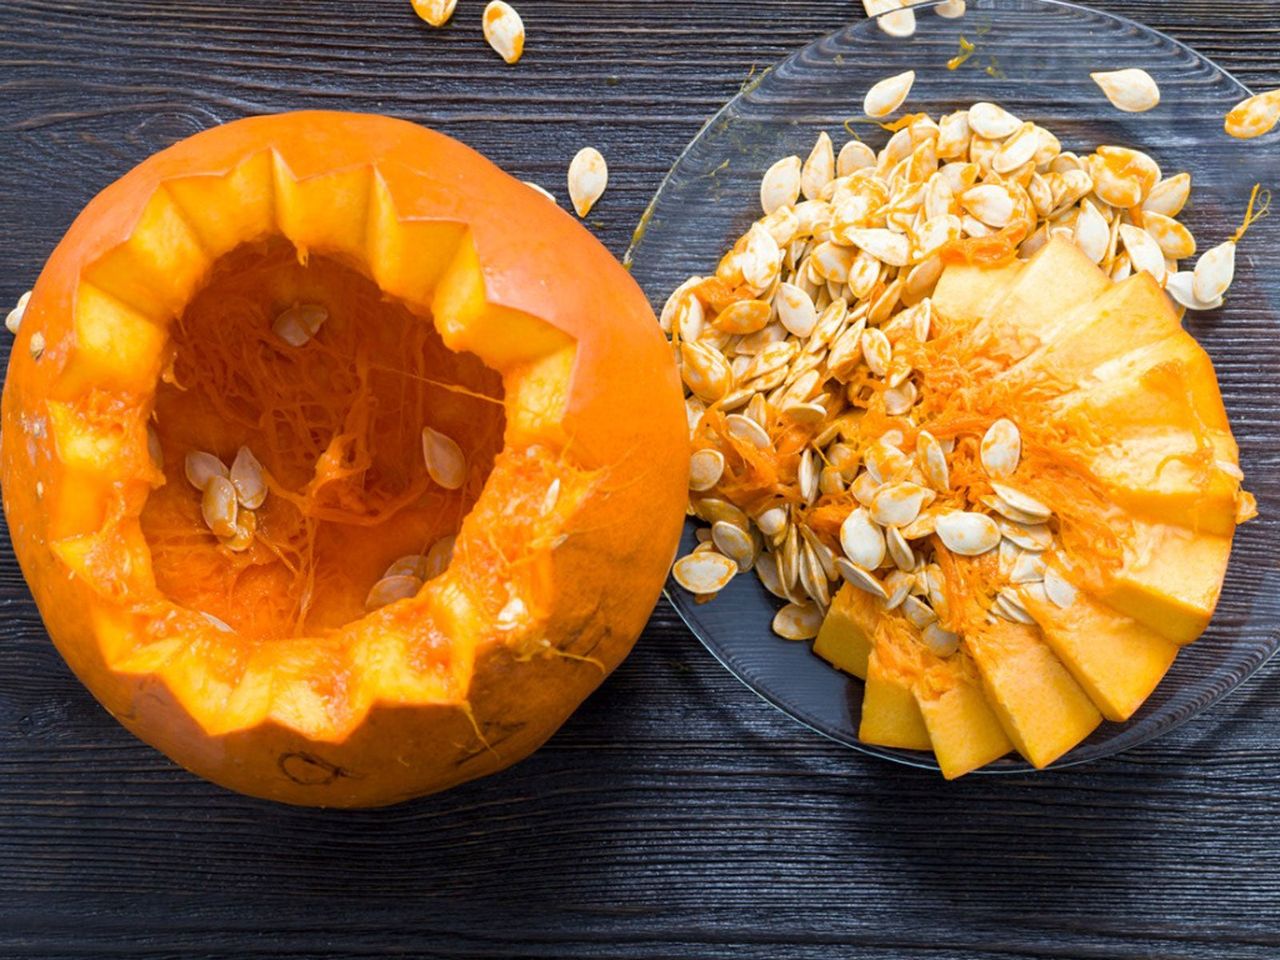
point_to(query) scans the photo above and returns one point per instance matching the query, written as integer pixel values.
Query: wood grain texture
(675, 815)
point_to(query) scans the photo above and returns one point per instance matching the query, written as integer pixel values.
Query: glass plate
(1034, 57)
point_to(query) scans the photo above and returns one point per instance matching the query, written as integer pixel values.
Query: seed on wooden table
(390, 589)
(435, 12)
(297, 325)
(968, 534)
(1255, 116)
(1180, 286)
(706, 572)
(798, 621)
(951, 9)
(819, 169)
(14, 318)
(504, 30)
(705, 469)
(218, 506)
(1022, 502)
(1175, 240)
(1144, 252)
(734, 543)
(1169, 196)
(1059, 590)
(888, 95)
(1131, 90)
(201, 467)
(588, 177)
(891, 17)
(1214, 272)
(854, 155)
(897, 504)
(780, 186)
(862, 539)
(246, 477)
(992, 121)
(860, 578)
(747, 430)
(1001, 448)
(444, 460)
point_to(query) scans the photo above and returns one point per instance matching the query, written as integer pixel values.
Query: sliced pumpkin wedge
(964, 730)
(846, 636)
(890, 715)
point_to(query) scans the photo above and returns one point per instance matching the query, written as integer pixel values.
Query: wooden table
(676, 815)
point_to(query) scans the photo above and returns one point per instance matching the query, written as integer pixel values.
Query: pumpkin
(317, 288)
(1132, 450)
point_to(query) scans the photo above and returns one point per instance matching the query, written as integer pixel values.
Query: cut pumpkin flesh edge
(418, 650)
(1110, 362)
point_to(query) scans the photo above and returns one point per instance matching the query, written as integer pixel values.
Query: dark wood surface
(675, 814)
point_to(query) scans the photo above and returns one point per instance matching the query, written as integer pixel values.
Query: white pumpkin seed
(588, 177)
(860, 578)
(897, 504)
(942, 642)
(1091, 232)
(767, 570)
(951, 9)
(247, 477)
(819, 169)
(1028, 536)
(1181, 286)
(1131, 90)
(13, 321)
(796, 311)
(854, 155)
(504, 30)
(413, 565)
(1058, 588)
(780, 186)
(1254, 116)
(703, 573)
(298, 324)
(1022, 502)
(1175, 240)
(1001, 448)
(885, 245)
(991, 203)
(747, 430)
(877, 351)
(888, 95)
(933, 461)
(1169, 196)
(772, 521)
(968, 534)
(218, 506)
(1018, 150)
(1144, 252)
(706, 466)
(734, 543)
(798, 621)
(445, 462)
(862, 540)
(1214, 272)
(900, 551)
(992, 121)
(1027, 568)
(919, 613)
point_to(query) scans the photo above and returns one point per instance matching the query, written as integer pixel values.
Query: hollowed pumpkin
(458, 299)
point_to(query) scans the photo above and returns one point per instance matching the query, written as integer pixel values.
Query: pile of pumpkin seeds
(229, 496)
(826, 290)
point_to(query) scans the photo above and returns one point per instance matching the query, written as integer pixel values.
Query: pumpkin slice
(1170, 579)
(1117, 660)
(845, 638)
(964, 731)
(890, 713)
(968, 291)
(1041, 707)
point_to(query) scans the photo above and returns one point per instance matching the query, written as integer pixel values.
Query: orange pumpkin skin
(356, 719)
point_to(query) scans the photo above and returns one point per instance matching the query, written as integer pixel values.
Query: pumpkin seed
(734, 543)
(1131, 90)
(300, 323)
(14, 319)
(1254, 116)
(940, 641)
(767, 570)
(862, 540)
(900, 551)
(413, 565)
(919, 613)
(588, 172)
(1144, 252)
(1169, 196)
(798, 621)
(789, 562)
(991, 203)
(933, 461)
(246, 528)
(1034, 536)
(780, 186)
(694, 408)
(773, 521)
(246, 477)
(438, 557)
(807, 477)
(713, 510)
(897, 504)
(1181, 286)
(390, 589)
(1009, 606)
(1027, 568)
(705, 371)
(884, 245)
(1058, 589)
(1175, 240)
(796, 311)
(1214, 272)
(888, 95)
(854, 155)
(891, 17)
(876, 351)
(747, 430)
(921, 526)
(819, 169)
(444, 459)
(951, 9)
(1001, 448)
(968, 534)
(706, 466)
(992, 121)
(1018, 150)
(813, 579)
(805, 414)
(1091, 233)
(504, 32)
(742, 317)
(218, 506)
(703, 573)
(899, 400)
(898, 585)
(1023, 503)
(860, 578)
(201, 467)
(830, 482)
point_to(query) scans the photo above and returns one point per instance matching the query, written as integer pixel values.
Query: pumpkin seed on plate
(704, 573)
(1132, 90)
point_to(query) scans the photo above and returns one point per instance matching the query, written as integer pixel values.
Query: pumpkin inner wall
(337, 425)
